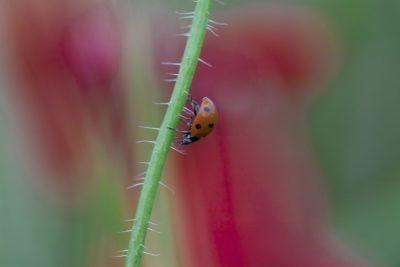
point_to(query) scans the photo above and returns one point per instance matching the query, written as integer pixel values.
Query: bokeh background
(303, 169)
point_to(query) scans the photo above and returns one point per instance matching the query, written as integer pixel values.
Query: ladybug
(203, 119)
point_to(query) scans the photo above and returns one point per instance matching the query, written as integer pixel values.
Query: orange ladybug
(203, 119)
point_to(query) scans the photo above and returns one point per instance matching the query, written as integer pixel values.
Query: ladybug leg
(189, 139)
(194, 104)
(187, 120)
(185, 141)
(182, 140)
(189, 124)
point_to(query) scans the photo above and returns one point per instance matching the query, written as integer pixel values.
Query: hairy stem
(165, 135)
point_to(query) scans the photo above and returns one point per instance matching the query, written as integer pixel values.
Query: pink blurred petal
(252, 193)
(58, 116)
(91, 47)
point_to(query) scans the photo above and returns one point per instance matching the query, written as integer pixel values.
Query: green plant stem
(165, 135)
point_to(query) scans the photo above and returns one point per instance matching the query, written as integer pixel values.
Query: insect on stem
(151, 181)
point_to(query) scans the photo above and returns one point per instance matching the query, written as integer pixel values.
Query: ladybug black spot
(206, 109)
(211, 125)
(198, 126)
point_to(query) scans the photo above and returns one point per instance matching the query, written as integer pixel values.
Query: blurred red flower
(66, 56)
(91, 47)
(251, 191)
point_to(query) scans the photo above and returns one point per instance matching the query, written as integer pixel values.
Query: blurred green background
(354, 128)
